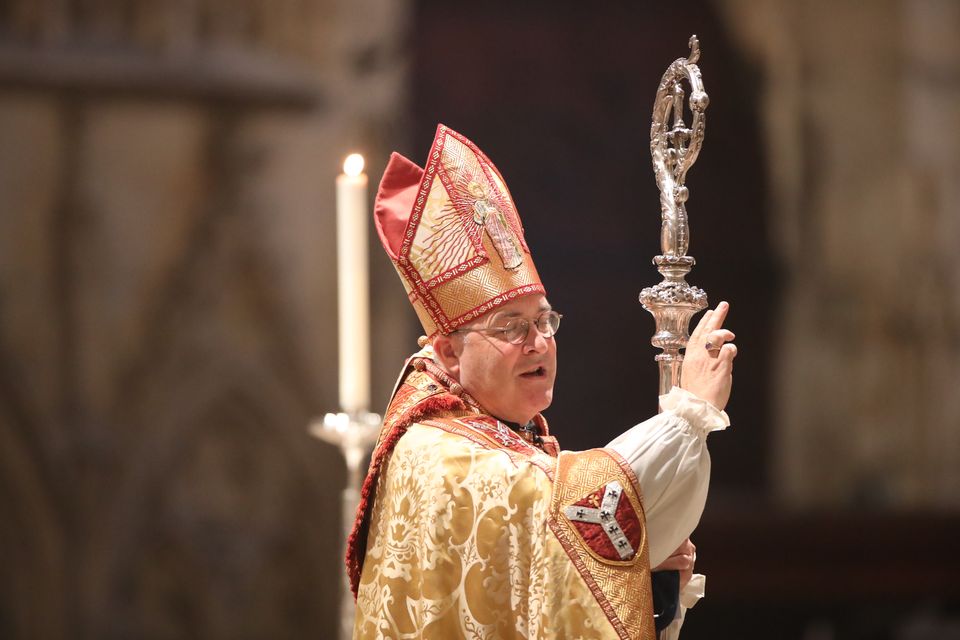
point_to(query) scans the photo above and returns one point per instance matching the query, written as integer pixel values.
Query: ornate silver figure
(674, 148)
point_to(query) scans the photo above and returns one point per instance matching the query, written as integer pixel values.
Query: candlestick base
(354, 434)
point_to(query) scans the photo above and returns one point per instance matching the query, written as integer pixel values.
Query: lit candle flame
(353, 165)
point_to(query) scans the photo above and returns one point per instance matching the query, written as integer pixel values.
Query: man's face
(512, 381)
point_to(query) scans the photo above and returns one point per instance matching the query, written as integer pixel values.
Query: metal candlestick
(674, 149)
(355, 435)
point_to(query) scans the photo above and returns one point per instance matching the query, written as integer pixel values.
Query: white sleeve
(668, 453)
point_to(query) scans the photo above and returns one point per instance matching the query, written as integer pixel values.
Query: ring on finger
(711, 347)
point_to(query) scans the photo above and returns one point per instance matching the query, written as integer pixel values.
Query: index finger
(718, 316)
(701, 326)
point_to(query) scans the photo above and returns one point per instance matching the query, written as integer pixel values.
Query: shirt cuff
(702, 415)
(693, 591)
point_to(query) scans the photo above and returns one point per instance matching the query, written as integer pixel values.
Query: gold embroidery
(618, 584)
(466, 537)
(460, 548)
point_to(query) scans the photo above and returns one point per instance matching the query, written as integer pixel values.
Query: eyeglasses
(516, 330)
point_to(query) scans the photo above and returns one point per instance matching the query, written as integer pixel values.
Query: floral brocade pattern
(461, 531)
(461, 546)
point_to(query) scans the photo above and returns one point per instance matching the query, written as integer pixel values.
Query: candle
(352, 283)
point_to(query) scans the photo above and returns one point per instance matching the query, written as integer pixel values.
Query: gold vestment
(467, 530)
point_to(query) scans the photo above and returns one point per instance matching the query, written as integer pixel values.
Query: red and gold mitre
(453, 234)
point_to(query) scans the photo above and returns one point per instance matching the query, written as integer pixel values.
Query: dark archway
(560, 95)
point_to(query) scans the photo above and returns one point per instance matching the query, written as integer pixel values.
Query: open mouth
(539, 372)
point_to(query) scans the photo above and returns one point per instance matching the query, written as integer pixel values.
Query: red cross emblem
(607, 522)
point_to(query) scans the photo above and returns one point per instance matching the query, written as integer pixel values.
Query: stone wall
(862, 120)
(167, 309)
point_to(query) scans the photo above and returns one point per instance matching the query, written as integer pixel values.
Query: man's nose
(536, 344)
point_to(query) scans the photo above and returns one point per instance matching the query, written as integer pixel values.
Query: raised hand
(708, 363)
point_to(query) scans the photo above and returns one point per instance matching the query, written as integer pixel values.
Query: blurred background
(168, 319)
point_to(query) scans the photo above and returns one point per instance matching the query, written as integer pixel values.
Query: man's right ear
(448, 350)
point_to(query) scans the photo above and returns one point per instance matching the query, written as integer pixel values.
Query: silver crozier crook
(674, 148)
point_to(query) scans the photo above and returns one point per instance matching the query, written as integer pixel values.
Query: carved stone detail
(246, 50)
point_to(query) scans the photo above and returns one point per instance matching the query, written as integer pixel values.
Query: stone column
(862, 117)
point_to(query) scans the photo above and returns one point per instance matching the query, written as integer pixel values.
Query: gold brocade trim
(512, 445)
(417, 386)
(426, 320)
(463, 294)
(622, 589)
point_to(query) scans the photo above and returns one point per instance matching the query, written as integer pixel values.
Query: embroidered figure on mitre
(489, 216)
